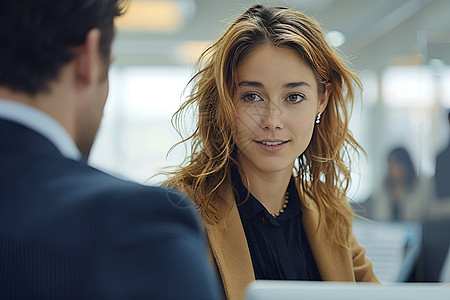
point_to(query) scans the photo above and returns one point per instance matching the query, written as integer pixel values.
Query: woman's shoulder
(213, 205)
(305, 190)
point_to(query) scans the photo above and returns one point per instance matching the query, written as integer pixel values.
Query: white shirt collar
(42, 123)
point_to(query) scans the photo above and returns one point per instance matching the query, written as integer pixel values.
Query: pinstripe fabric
(69, 231)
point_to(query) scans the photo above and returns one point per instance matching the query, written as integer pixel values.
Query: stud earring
(318, 118)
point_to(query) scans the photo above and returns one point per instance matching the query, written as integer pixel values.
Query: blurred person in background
(267, 167)
(442, 174)
(436, 228)
(401, 196)
(69, 231)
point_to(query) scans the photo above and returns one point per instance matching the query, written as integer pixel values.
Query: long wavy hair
(321, 171)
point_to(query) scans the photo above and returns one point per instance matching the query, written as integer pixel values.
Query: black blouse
(278, 246)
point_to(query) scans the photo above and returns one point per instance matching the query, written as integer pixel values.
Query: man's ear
(87, 60)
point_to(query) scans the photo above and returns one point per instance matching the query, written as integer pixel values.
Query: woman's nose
(271, 118)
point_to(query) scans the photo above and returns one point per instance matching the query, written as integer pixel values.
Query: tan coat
(231, 254)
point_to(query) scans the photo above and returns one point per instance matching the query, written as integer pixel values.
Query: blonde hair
(321, 170)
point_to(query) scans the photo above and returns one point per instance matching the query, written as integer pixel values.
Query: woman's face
(397, 170)
(277, 103)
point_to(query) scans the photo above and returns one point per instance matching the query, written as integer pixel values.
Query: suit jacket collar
(42, 123)
(17, 138)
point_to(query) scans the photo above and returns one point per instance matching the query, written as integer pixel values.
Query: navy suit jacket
(69, 231)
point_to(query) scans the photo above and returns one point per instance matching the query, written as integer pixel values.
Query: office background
(399, 48)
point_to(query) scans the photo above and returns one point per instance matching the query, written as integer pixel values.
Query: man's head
(59, 48)
(39, 37)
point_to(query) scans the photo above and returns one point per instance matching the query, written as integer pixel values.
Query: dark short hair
(37, 37)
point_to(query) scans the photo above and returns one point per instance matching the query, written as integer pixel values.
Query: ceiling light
(190, 51)
(156, 15)
(335, 38)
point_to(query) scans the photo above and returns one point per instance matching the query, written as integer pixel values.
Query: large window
(136, 132)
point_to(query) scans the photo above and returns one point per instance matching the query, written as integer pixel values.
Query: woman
(401, 195)
(267, 165)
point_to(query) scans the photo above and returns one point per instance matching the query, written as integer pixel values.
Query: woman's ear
(323, 101)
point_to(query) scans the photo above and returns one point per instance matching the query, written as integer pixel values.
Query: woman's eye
(294, 98)
(251, 97)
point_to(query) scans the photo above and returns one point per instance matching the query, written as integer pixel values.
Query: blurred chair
(393, 247)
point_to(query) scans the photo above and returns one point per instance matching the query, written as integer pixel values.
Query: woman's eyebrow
(251, 83)
(296, 84)
(287, 85)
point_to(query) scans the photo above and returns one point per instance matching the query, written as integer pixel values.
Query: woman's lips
(272, 145)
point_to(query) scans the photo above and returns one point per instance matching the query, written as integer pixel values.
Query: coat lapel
(230, 250)
(333, 262)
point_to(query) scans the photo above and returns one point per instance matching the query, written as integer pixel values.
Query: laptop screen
(314, 290)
